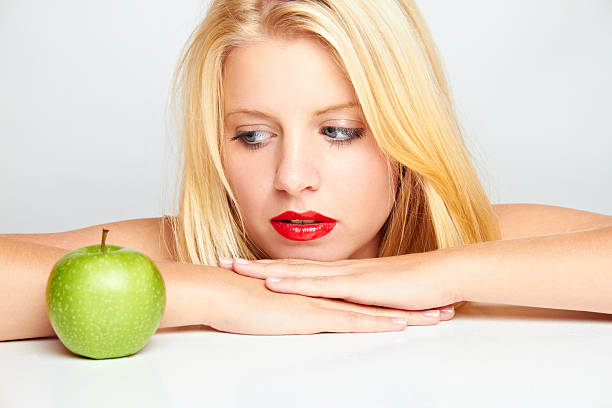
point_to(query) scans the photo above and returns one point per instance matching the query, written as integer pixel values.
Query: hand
(245, 305)
(408, 282)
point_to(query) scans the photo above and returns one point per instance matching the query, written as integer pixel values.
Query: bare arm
(151, 236)
(563, 271)
(195, 294)
(25, 268)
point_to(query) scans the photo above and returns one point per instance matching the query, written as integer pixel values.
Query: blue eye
(348, 134)
(339, 136)
(251, 139)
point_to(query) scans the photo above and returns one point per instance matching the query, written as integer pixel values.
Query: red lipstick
(304, 226)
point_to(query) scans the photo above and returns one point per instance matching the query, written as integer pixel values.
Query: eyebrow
(339, 106)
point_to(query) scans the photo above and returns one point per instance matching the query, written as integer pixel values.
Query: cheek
(363, 190)
(246, 181)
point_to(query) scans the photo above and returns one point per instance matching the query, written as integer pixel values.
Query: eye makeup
(253, 139)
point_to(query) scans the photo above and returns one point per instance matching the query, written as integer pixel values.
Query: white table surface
(487, 356)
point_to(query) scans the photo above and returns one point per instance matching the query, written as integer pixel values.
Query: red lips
(308, 215)
(302, 232)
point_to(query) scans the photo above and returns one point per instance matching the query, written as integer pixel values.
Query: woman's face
(295, 139)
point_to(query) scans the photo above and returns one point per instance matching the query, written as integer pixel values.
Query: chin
(311, 254)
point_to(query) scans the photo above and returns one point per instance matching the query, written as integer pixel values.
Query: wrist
(191, 293)
(460, 266)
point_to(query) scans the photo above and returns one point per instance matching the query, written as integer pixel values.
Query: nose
(296, 170)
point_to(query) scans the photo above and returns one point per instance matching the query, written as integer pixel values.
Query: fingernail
(225, 261)
(273, 279)
(432, 313)
(241, 261)
(449, 309)
(400, 320)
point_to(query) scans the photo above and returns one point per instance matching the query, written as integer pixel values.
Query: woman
(404, 185)
(337, 113)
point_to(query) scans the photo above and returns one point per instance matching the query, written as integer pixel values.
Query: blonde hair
(388, 54)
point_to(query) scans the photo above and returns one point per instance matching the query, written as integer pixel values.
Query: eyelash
(352, 133)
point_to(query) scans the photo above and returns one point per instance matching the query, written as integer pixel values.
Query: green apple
(105, 301)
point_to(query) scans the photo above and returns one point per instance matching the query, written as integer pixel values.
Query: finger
(447, 312)
(361, 288)
(280, 269)
(226, 262)
(295, 261)
(341, 321)
(318, 286)
(415, 317)
(290, 261)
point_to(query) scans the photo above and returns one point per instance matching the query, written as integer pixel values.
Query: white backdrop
(84, 85)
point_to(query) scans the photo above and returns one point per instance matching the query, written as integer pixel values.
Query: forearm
(191, 290)
(24, 269)
(563, 271)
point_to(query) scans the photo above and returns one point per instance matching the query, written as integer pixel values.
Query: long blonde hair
(388, 54)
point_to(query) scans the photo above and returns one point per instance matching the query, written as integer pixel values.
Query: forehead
(297, 72)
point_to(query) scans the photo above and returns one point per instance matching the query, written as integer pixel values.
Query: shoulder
(522, 220)
(153, 236)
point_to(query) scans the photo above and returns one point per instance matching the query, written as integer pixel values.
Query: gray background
(84, 87)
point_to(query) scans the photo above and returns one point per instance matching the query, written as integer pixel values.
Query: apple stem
(104, 234)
